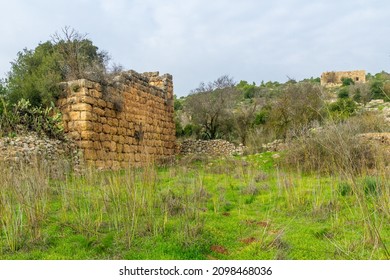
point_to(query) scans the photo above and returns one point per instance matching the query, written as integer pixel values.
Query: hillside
(253, 114)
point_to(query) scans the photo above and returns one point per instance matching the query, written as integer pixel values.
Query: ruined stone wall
(127, 123)
(216, 147)
(334, 78)
(30, 148)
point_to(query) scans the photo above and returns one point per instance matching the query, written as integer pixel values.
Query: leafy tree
(35, 74)
(3, 93)
(179, 128)
(249, 90)
(177, 105)
(3, 89)
(376, 87)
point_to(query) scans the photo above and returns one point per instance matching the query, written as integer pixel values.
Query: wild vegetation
(238, 208)
(326, 196)
(250, 114)
(29, 93)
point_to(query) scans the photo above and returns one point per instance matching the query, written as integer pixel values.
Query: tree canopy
(35, 74)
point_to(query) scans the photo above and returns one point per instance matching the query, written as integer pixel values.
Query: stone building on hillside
(129, 122)
(335, 78)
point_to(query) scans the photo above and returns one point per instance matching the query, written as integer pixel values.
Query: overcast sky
(200, 40)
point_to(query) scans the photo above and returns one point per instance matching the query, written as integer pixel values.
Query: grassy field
(236, 208)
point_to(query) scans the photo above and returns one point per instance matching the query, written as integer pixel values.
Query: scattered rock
(275, 146)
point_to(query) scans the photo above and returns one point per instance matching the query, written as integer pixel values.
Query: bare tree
(210, 106)
(79, 57)
(296, 110)
(243, 118)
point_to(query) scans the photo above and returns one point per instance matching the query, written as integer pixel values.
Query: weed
(371, 186)
(344, 188)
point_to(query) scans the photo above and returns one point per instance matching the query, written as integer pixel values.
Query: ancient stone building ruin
(334, 78)
(128, 122)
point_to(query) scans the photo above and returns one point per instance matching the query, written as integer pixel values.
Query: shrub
(342, 109)
(344, 189)
(370, 186)
(347, 81)
(343, 93)
(333, 149)
(22, 116)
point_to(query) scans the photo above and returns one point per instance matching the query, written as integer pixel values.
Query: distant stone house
(335, 78)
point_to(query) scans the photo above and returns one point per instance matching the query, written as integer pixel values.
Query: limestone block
(113, 122)
(88, 100)
(97, 127)
(109, 112)
(126, 148)
(88, 116)
(82, 107)
(98, 111)
(126, 157)
(121, 139)
(74, 115)
(115, 165)
(100, 164)
(122, 131)
(107, 128)
(114, 130)
(112, 155)
(86, 144)
(95, 93)
(65, 110)
(108, 164)
(83, 125)
(97, 145)
(101, 154)
(89, 135)
(106, 145)
(71, 126)
(101, 103)
(74, 135)
(109, 105)
(105, 137)
(125, 164)
(90, 154)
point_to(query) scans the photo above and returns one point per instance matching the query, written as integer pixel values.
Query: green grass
(237, 208)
